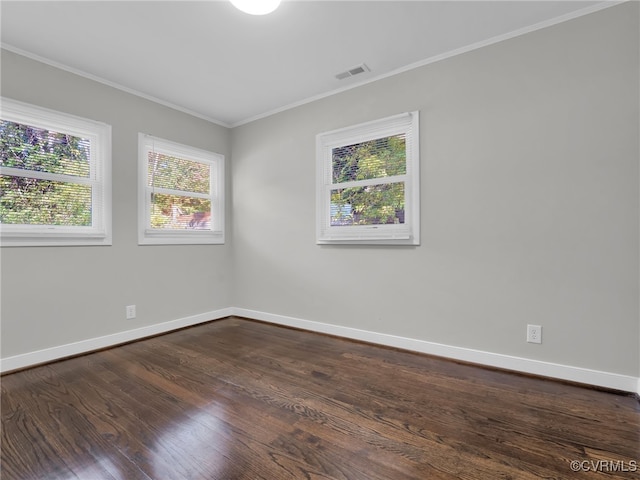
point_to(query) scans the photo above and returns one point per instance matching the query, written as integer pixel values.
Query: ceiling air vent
(353, 71)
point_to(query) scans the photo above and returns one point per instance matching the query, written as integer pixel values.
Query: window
(181, 193)
(55, 178)
(368, 183)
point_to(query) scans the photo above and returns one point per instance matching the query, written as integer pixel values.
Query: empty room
(320, 240)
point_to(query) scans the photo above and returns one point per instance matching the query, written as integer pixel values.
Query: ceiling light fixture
(256, 7)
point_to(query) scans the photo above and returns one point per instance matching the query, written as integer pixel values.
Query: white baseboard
(524, 365)
(55, 353)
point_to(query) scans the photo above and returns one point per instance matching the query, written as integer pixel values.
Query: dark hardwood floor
(238, 399)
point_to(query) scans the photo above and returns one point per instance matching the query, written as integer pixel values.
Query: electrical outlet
(534, 334)
(131, 312)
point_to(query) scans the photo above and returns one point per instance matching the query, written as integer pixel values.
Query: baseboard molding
(56, 353)
(523, 365)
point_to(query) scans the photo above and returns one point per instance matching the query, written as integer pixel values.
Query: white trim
(86, 346)
(436, 58)
(109, 83)
(474, 46)
(518, 364)
(215, 235)
(99, 178)
(388, 234)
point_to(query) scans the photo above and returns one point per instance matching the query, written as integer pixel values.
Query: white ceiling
(209, 59)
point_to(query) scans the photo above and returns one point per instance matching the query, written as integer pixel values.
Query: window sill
(154, 237)
(53, 240)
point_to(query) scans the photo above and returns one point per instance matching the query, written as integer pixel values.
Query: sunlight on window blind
(45, 178)
(374, 203)
(179, 193)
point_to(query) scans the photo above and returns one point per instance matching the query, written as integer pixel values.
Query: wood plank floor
(238, 399)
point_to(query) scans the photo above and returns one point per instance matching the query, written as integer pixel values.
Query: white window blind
(55, 172)
(368, 188)
(181, 193)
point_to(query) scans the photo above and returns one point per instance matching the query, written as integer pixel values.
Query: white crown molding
(109, 83)
(437, 58)
(474, 46)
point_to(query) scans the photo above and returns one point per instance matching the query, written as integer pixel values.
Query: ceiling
(211, 60)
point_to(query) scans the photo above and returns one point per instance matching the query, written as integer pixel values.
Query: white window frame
(407, 233)
(151, 236)
(99, 136)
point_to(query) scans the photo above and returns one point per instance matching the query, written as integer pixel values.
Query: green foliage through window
(379, 158)
(372, 204)
(173, 211)
(178, 173)
(37, 201)
(29, 201)
(178, 212)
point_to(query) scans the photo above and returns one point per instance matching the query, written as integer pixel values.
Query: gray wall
(529, 158)
(52, 296)
(530, 187)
